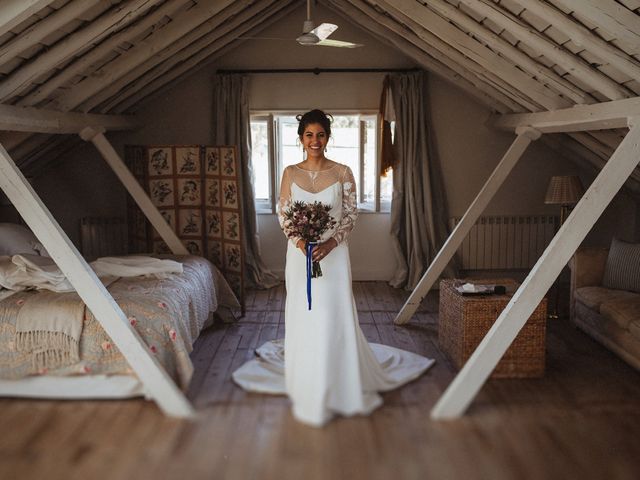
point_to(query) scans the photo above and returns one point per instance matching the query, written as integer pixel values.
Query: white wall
(81, 184)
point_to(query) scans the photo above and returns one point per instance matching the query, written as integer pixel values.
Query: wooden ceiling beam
(160, 39)
(518, 57)
(75, 43)
(185, 46)
(167, 75)
(93, 56)
(15, 12)
(473, 49)
(29, 119)
(569, 62)
(599, 116)
(610, 16)
(44, 27)
(429, 55)
(584, 37)
(488, 82)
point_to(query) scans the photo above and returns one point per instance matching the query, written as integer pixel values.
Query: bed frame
(156, 383)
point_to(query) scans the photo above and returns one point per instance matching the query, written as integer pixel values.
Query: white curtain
(419, 210)
(232, 126)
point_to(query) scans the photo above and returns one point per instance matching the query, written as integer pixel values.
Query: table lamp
(564, 191)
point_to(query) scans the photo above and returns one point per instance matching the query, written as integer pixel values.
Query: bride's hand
(322, 250)
(302, 245)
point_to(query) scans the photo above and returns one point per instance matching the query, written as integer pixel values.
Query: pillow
(622, 271)
(16, 239)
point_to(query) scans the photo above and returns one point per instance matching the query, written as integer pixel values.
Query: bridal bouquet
(308, 221)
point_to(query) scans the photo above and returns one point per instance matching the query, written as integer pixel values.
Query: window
(353, 142)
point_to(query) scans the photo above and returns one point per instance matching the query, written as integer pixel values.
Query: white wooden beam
(609, 15)
(160, 39)
(157, 383)
(569, 62)
(96, 136)
(37, 120)
(423, 45)
(472, 48)
(161, 79)
(584, 37)
(197, 39)
(14, 12)
(484, 359)
(518, 57)
(100, 51)
(441, 260)
(44, 27)
(78, 41)
(600, 116)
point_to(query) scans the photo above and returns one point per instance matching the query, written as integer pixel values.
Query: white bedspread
(21, 272)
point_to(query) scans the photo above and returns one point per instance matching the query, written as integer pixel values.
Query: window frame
(275, 165)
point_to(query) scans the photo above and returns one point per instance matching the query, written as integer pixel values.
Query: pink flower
(173, 335)
(153, 349)
(133, 321)
(106, 345)
(162, 305)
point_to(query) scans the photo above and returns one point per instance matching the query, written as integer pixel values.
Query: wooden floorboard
(581, 420)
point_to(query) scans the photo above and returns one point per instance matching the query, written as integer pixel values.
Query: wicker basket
(465, 320)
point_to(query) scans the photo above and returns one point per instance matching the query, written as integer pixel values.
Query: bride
(325, 364)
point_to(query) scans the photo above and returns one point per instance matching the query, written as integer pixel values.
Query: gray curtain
(232, 126)
(418, 210)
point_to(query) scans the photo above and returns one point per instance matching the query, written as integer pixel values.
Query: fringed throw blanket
(48, 328)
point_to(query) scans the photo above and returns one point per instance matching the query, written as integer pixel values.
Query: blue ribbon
(310, 246)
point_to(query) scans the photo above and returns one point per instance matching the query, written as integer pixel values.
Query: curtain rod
(318, 71)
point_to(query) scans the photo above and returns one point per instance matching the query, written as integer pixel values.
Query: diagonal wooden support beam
(509, 160)
(157, 383)
(96, 136)
(484, 359)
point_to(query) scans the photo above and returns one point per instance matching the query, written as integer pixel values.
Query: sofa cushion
(593, 297)
(622, 270)
(621, 311)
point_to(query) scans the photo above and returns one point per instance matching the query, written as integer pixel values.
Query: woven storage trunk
(464, 321)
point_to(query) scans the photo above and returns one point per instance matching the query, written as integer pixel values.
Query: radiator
(102, 236)
(506, 242)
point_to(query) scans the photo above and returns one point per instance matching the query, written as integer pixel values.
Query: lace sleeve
(285, 202)
(349, 207)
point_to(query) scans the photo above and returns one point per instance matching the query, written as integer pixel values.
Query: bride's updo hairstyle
(314, 116)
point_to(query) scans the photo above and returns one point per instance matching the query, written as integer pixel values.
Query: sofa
(605, 297)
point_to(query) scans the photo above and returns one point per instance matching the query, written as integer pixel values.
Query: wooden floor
(581, 421)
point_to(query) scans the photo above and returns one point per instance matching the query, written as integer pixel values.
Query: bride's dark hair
(314, 116)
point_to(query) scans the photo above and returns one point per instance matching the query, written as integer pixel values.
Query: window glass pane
(370, 143)
(290, 148)
(260, 158)
(344, 144)
(386, 191)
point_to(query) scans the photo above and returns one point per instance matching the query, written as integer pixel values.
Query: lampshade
(564, 190)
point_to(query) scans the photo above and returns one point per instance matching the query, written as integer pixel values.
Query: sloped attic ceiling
(108, 56)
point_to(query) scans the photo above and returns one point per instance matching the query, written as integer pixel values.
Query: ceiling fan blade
(338, 43)
(323, 30)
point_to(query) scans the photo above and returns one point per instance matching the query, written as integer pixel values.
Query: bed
(168, 313)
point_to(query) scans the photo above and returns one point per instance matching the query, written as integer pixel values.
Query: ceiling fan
(312, 35)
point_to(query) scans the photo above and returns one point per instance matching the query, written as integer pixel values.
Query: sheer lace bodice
(315, 183)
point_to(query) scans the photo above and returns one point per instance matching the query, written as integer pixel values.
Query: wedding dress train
(329, 367)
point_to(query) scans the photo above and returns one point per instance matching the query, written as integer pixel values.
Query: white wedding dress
(329, 367)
